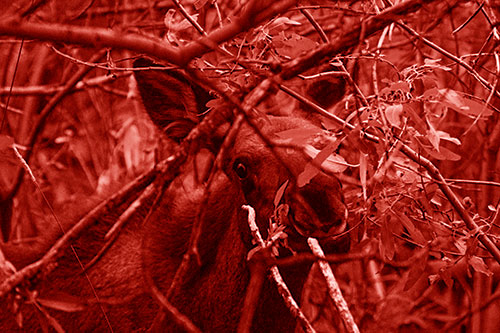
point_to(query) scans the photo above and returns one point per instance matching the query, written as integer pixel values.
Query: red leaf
(298, 136)
(479, 266)
(363, 158)
(386, 244)
(323, 158)
(415, 234)
(417, 268)
(279, 193)
(460, 103)
(63, 302)
(393, 114)
(400, 85)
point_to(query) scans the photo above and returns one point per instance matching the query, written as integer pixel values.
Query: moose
(213, 293)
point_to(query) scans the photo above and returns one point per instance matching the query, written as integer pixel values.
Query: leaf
(63, 302)
(460, 245)
(453, 100)
(417, 268)
(393, 114)
(362, 172)
(400, 85)
(280, 24)
(432, 93)
(415, 234)
(386, 244)
(55, 324)
(434, 63)
(131, 147)
(198, 4)
(279, 193)
(323, 158)
(292, 46)
(310, 171)
(446, 136)
(477, 109)
(214, 103)
(479, 266)
(298, 136)
(445, 275)
(445, 154)
(432, 135)
(281, 215)
(45, 319)
(174, 24)
(458, 102)
(419, 124)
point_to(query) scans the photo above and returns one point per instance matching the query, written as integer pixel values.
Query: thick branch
(87, 36)
(351, 38)
(255, 13)
(53, 89)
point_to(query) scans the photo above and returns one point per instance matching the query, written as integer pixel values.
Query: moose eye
(240, 169)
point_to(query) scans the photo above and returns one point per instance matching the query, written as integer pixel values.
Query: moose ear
(326, 90)
(173, 101)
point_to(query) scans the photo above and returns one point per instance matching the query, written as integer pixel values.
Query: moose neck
(212, 295)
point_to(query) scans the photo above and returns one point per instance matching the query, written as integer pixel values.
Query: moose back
(212, 295)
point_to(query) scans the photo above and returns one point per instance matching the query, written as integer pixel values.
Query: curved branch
(351, 38)
(256, 12)
(88, 36)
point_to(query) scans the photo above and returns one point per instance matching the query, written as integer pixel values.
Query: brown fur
(212, 296)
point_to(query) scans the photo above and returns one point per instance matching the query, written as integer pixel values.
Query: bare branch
(98, 37)
(333, 288)
(282, 288)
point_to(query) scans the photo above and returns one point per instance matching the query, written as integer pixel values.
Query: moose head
(252, 173)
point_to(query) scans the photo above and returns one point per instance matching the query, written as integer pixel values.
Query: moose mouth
(327, 230)
(330, 230)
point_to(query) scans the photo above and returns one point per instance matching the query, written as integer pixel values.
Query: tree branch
(255, 13)
(351, 38)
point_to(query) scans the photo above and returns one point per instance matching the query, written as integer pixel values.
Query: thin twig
(178, 317)
(114, 231)
(258, 270)
(350, 38)
(282, 288)
(252, 16)
(315, 24)
(187, 260)
(37, 184)
(53, 89)
(333, 288)
(189, 17)
(451, 56)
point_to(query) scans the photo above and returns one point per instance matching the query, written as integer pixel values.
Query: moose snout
(318, 209)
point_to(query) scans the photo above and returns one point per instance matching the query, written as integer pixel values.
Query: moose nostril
(325, 228)
(337, 226)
